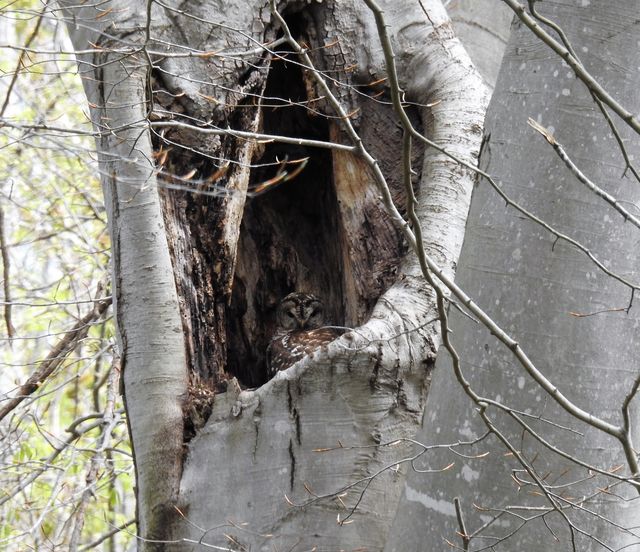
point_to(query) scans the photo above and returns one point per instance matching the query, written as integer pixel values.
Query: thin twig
(562, 154)
(107, 535)
(259, 137)
(598, 101)
(6, 277)
(592, 84)
(110, 421)
(22, 56)
(466, 539)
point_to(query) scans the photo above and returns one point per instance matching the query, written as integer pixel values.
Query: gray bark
(536, 288)
(483, 27)
(145, 299)
(146, 304)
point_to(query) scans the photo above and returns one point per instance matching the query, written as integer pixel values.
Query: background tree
(554, 228)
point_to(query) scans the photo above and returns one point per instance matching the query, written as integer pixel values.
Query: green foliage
(59, 472)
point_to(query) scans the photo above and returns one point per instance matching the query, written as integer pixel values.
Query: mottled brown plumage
(300, 331)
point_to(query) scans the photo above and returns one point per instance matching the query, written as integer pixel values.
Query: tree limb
(65, 346)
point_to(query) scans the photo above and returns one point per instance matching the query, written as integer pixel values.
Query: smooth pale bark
(483, 27)
(533, 288)
(453, 99)
(145, 300)
(149, 326)
(146, 303)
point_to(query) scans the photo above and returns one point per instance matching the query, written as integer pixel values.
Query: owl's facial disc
(300, 311)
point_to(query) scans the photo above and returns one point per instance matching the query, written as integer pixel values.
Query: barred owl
(300, 331)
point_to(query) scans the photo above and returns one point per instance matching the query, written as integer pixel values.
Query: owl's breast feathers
(287, 348)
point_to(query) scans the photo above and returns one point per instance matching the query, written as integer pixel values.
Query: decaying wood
(323, 231)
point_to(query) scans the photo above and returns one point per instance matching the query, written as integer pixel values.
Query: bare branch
(6, 277)
(55, 357)
(586, 77)
(562, 154)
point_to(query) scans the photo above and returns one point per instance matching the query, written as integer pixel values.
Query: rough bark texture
(533, 287)
(314, 233)
(207, 176)
(324, 231)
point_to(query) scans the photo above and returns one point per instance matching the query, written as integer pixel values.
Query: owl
(300, 331)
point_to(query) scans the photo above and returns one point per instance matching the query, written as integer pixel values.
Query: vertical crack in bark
(292, 469)
(296, 421)
(289, 397)
(293, 411)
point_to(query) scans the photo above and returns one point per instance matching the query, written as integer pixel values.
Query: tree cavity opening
(290, 236)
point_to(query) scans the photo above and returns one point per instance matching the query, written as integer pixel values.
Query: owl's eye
(290, 315)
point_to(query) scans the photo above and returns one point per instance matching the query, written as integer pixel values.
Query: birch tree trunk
(546, 477)
(145, 301)
(202, 105)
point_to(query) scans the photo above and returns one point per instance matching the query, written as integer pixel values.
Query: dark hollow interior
(290, 236)
(323, 231)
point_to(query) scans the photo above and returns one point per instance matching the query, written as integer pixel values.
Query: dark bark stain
(401, 397)
(292, 468)
(373, 379)
(293, 412)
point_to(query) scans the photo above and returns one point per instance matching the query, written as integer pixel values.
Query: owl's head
(300, 311)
